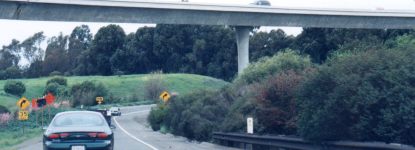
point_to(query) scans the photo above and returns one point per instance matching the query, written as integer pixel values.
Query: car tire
(45, 148)
(112, 145)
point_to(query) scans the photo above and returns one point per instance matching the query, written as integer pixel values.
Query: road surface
(134, 133)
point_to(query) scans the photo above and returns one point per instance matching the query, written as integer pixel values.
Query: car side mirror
(112, 127)
(44, 127)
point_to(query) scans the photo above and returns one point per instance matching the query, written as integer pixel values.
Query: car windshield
(78, 119)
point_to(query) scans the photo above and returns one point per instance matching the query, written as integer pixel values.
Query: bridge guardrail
(249, 141)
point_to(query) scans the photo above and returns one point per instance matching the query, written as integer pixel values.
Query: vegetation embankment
(71, 92)
(123, 89)
(361, 93)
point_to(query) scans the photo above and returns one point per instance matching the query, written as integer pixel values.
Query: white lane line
(132, 136)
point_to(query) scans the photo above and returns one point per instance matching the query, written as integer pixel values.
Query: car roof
(78, 112)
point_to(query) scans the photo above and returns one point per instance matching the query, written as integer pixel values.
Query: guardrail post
(248, 146)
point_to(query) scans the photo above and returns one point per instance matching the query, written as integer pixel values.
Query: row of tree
(206, 50)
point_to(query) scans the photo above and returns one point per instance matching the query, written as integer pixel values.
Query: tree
(35, 69)
(312, 41)
(207, 50)
(56, 58)
(32, 50)
(79, 42)
(171, 44)
(144, 50)
(9, 55)
(319, 43)
(13, 72)
(84, 65)
(106, 42)
(127, 59)
(267, 44)
(33, 53)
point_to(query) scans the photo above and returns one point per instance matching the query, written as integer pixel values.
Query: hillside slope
(123, 87)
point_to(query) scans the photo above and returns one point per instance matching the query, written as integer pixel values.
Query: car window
(78, 119)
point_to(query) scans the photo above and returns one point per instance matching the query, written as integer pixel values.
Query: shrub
(56, 89)
(195, 115)
(57, 86)
(3, 110)
(14, 87)
(268, 94)
(86, 92)
(67, 74)
(235, 120)
(55, 73)
(119, 73)
(154, 86)
(157, 116)
(58, 80)
(13, 73)
(267, 66)
(5, 118)
(366, 96)
(3, 75)
(275, 96)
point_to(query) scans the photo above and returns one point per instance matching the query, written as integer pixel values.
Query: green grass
(122, 87)
(10, 139)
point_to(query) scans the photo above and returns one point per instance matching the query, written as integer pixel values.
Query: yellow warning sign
(165, 96)
(99, 100)
(23, 115)
(23, 103)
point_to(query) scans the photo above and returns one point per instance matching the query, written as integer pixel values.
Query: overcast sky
(20, 30)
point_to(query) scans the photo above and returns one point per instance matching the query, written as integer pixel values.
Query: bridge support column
(242, 41)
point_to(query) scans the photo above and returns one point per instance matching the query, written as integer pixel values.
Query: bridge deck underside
(82, 13)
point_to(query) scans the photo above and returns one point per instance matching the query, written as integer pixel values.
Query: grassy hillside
(120, 86)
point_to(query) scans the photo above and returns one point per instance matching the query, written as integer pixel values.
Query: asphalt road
(134, 133)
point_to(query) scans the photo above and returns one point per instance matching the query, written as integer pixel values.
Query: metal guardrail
(273, 142)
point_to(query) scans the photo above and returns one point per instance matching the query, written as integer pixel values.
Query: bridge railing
(263, 142)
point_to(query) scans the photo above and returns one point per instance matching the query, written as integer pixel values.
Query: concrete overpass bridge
(241, 16)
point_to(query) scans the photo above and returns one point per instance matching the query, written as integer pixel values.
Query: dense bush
(4, 109)
(157, 117)
(86, 92)
(270, 84)
(57, 89)
(194, 116)
(240, 109)
(3, 75)
(367, 95)
(57, 86)
(35, 119)
(270, 94)
(275, 97)
(201, 117)
(14, 87)
(55, 73)
(154, 86)
(59, 80)
(266, 66)
(13, 73)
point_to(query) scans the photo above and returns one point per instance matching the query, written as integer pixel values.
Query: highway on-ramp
(134, 133)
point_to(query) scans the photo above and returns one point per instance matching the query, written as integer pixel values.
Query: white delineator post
(242, 41)
(250, 125)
